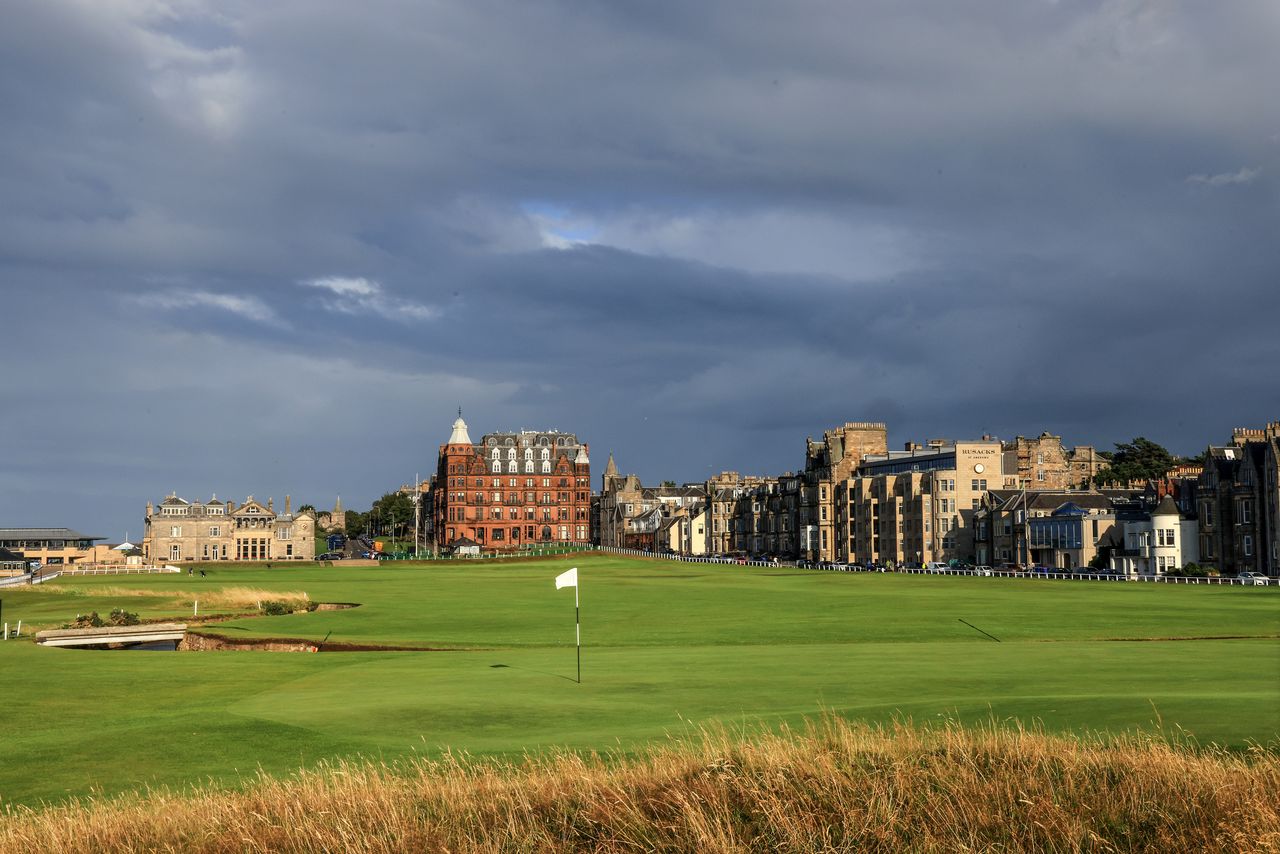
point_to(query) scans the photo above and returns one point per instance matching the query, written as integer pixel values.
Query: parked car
(983, 569)
(1256, 579)
(934, 566)
(331, 556)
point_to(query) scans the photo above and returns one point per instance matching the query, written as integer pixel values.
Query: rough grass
(226, 598)
(833, 786)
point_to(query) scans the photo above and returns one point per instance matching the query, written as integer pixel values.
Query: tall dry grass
(224, 598)
(835, 786)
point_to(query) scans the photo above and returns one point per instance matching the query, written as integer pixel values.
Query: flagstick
(577, 631)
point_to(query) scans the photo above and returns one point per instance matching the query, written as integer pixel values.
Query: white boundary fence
(118, 569)
(995, 573)
(19, 580)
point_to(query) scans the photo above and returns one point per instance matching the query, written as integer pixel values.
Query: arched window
(513, 467)
(511, 453)
(497, 466)
(528, 466)
(528, 453)
(546, 454)
(496, 453)
(546, 467)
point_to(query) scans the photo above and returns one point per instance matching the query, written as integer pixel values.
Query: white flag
(568, 578)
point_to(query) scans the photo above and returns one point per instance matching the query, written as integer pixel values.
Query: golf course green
(667, 647)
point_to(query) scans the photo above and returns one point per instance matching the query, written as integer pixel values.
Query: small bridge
(123, 635)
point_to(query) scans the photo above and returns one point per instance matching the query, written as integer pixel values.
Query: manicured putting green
(667, 646)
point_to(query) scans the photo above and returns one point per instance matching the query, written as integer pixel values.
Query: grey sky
(268, 248)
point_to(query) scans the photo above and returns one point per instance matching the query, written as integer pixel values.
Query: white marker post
(569, 578)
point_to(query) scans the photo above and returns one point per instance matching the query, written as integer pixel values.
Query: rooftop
(7, 534)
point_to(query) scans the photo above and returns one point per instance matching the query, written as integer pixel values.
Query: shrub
(272, 608)
(121, 617)
(85, 621)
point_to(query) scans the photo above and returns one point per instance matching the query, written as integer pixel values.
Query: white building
(1162, 543)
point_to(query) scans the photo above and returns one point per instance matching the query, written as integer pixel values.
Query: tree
(1198, 460)
(392, 514)
(305, 507)
(356, 522)
(1138, 460)
(669, 484)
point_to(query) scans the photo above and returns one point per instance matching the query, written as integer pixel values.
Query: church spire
(611, 469)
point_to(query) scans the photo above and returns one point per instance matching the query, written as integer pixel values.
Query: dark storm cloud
(259, 248)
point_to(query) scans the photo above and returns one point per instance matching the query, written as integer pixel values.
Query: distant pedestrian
(202, 573)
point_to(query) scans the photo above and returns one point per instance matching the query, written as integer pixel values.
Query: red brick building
(511, 490)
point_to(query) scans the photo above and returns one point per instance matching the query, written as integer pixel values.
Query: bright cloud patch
(1246, 175)
(250, 308)
(358, 295)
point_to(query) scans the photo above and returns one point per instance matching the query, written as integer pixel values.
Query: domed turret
(459, 435)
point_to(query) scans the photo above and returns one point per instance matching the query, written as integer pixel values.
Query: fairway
(667, 647)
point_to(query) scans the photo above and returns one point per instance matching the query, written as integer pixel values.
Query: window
(1248, 546)
(214, 531)
(175, 531)
(1246, 511)
(497, 466)
(1039, 474)
(546, 467)
(284, 533)
(496, 454)
(978, 485)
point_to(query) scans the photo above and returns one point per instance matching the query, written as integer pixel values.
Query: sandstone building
(1043, 463)
(1238, 497)
(635, 516)
(181, 530)
(49, 546)
(917, 505)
